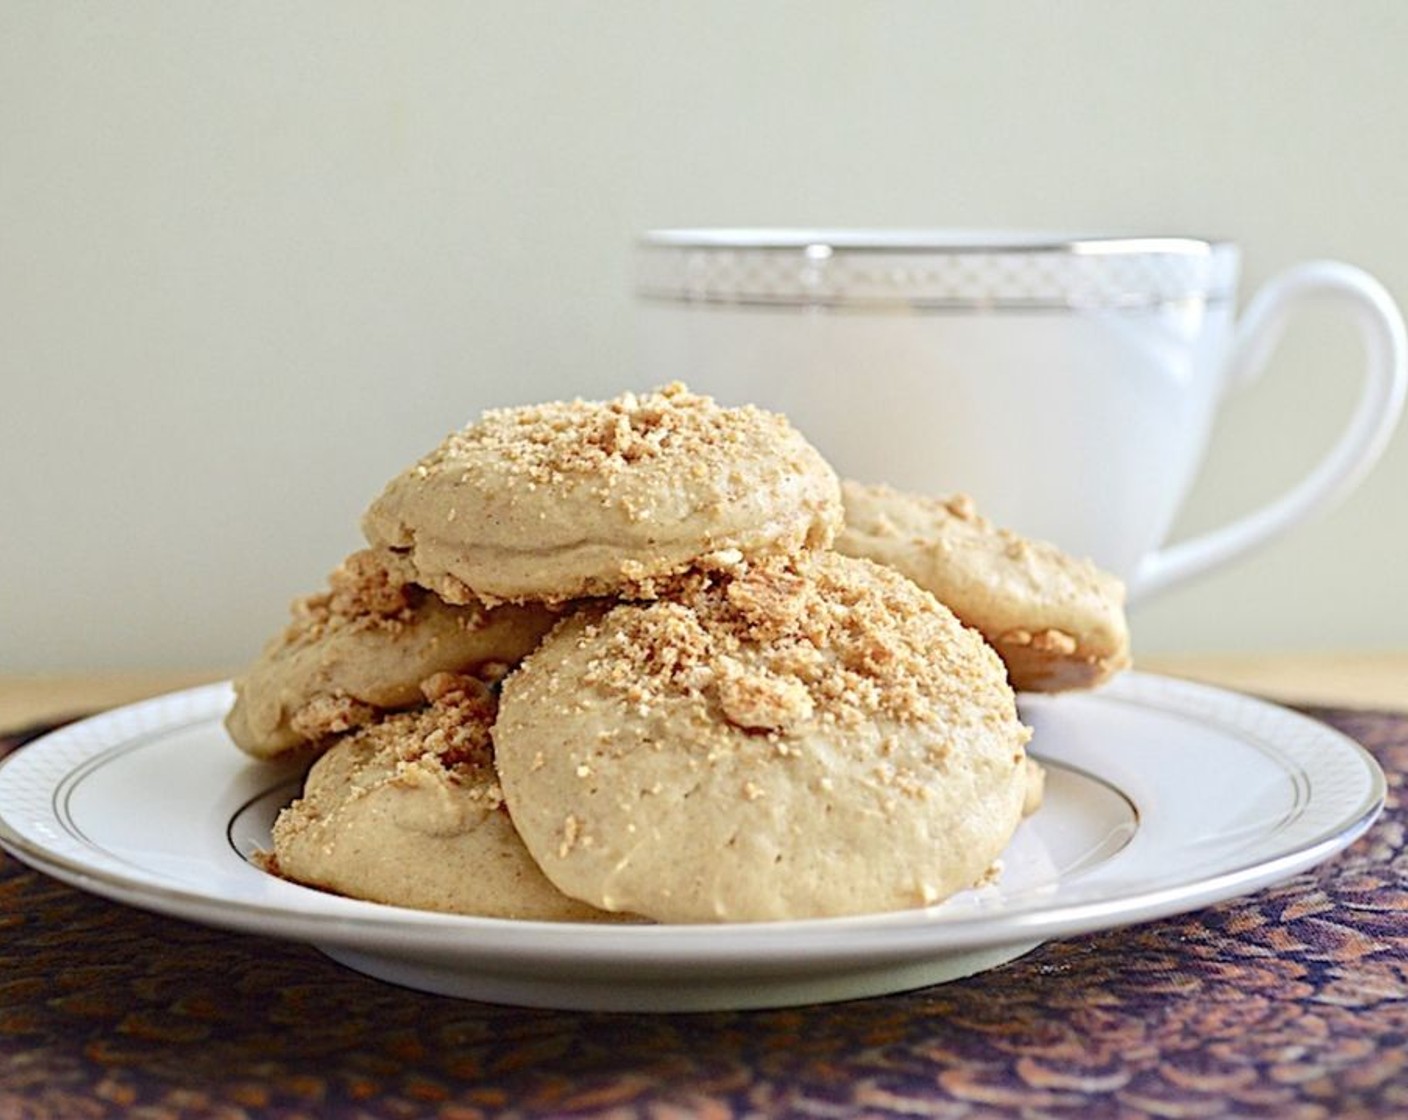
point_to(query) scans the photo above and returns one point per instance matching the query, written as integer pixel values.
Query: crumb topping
(371, 590)
(775, 643)
(449, 740)
(368, 589)
(545, 443)
(963, 508)
(1049, 641)
(330, 714)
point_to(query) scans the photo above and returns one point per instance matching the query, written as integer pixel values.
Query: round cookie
(364, 645)
(1056, 621)
(564, 500)
(407, 811)
(803, 737)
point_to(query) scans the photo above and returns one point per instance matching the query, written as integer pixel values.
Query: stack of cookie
(611, 661)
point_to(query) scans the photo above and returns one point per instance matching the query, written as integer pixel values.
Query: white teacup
(1068, 383)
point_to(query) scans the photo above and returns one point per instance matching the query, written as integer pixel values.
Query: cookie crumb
(571, 834)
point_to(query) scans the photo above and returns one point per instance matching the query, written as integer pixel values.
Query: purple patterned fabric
(1292, 1004)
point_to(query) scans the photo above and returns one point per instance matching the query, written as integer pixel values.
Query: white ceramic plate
(1162, 796)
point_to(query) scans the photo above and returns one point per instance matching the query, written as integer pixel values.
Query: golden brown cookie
(563, 500)
(407, 811)
(1057, 621)
(363, 646)
(800, 737)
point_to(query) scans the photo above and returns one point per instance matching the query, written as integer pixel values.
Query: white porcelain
(1069, 383)
(1163, 796)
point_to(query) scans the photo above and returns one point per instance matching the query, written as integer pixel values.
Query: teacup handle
(1362, 442)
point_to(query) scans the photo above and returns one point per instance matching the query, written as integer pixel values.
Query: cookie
(1035, 787)
(1057, 622)
(363, 646)
(407, 811)
(796, 738)
(564, 500)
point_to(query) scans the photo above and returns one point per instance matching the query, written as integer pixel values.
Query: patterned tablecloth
(1292, 1003)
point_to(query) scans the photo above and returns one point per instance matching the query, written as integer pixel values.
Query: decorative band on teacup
(930, 270)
